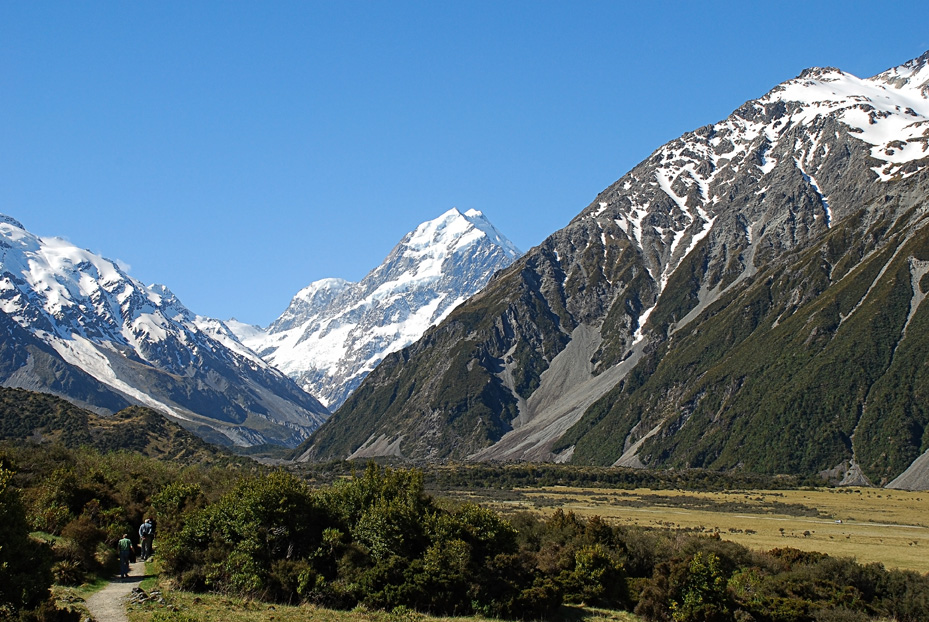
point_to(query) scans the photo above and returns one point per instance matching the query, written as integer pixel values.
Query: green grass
(72, 598)
(189, 607)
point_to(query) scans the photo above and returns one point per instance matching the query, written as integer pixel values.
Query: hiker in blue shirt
(146, 535)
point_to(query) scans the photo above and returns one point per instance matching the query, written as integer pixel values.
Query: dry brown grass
(870, 525)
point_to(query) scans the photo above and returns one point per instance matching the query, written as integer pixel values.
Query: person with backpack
(146, 535)
(125, 550)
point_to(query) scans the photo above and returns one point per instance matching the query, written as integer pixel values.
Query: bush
(68, 572)
(598, 578)
(173, 501)
(25, 563)
(233, 544)
(903, 595)
(48, 611)
(82, 537)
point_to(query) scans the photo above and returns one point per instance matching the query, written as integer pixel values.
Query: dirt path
(109, 604)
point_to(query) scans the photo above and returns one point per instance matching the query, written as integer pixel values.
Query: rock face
(75, 325)
(750, 296)
(335, 332)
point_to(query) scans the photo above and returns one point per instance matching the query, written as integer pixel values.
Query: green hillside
(41, 418)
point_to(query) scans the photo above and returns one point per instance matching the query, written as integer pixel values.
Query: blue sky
(237, 151)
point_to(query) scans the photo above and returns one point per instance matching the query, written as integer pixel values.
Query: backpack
(145, 529)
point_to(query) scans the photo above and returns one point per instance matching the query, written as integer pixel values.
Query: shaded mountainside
(747, 297)
(76, 325)
(27, 416)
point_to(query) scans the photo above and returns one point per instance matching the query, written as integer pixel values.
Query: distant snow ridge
(141, 343)
(335, 332)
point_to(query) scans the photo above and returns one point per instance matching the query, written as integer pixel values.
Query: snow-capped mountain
(76, 325)
(668, 204)
(749, 296)
(335, 332)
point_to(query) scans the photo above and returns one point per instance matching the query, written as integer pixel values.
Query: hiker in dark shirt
(146, 535)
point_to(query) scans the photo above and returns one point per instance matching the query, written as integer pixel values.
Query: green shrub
(597, 578)
(699, 591)
(48, 611)
(903, 595)
(237, 540)
(82, 537)
(173, 501)
(654, 595)
(68, 572)
(25, 563)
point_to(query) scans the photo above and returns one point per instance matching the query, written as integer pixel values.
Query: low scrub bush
(376, 540)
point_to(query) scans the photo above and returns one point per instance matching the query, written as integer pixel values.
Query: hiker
(125, 550)
(146, 535)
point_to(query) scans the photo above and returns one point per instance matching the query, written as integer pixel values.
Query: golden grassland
(867, 524)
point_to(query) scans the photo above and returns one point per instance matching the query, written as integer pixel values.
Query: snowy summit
(334, 332)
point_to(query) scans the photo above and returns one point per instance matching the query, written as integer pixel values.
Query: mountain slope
(335, 332)
(75, 325)
(759, 274)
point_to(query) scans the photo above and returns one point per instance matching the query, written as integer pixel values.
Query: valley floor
(868, 524)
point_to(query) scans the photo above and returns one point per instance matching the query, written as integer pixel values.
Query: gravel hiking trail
(109, 604)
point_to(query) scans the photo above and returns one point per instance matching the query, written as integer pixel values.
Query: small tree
(701, 591)
(599, 577)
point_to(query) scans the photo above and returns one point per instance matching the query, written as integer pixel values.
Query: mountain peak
(11, 221)
(911, 76)
(162, 290)
(477, 218)
(334, 332)
(437, 232)
(326, 287)
(455, 231)
(821, 73)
